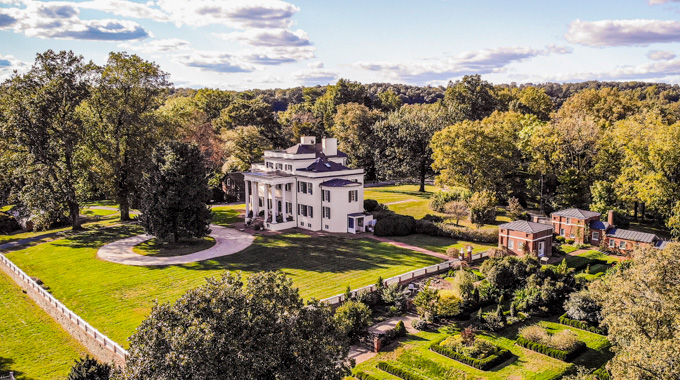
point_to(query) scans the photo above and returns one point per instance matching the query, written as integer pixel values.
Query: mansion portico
(306, 186)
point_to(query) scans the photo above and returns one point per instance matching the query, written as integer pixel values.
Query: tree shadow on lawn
(325, 254)
(98, 237)
(6, 368)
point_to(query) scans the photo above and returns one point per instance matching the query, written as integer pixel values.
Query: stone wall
(99, 345)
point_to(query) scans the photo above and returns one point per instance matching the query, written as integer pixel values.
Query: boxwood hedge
(581, 325)
(363, 376)
(545, 350)
(399, 372)
(482, 364)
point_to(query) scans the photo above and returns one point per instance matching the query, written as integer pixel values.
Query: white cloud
(315, 65)
(241, 14)
(9, 64)
(656, 2)
(660, 55)
(158, 46)
(125, 8)
(216, 61)
(623, 32)
(268, 37)
(61, 20)
(647, 71)
(314, 76)
(471, 62)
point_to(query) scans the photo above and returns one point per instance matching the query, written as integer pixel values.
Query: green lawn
(440, 244)
(414, 355)
(20, 235)
(227, 215)
(159, 248)
(115, 298)
(32, 344)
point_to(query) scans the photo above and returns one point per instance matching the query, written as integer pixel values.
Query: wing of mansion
(306, 186)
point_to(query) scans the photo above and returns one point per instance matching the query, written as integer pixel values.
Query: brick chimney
(610, 217)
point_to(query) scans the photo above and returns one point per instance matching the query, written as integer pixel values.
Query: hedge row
(545, 350)
(399, 372)
(581, 325)
(482, 235)
(363, 376)
(483, 364)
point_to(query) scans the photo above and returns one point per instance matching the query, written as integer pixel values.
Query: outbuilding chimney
(610, 217)
(330, 146)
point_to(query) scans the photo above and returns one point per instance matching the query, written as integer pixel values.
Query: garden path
(409, 246)
(227, 241)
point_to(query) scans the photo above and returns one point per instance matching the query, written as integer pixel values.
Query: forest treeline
(71, 130)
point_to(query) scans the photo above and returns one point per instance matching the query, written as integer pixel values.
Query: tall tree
(243, 146)
(41, 132)
(353, 127)
(244, 111)
(343, 92)
(176, 193)
(122, 124)
(258, 329)
(640, 308)
(404, 141)
(212, 101)
(470, 98)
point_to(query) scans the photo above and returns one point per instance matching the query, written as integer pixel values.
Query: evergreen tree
(176, 192)
(89, 368)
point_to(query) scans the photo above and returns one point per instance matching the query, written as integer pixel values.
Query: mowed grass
(32, 344)
(160, 248)
(441, 244)
(413, 354)
(115, 298)
(20, 235)
(228, 215)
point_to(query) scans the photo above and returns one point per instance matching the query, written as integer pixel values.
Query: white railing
(405, 278)
(8, 377)
(73, 317)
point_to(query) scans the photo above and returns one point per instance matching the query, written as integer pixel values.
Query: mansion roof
(316, 149)
(322, 165)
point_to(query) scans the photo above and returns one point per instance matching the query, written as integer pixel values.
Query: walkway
(362, 353)
(411, 247)
(227, 241)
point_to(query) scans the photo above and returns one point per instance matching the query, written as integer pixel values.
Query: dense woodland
(72, 131)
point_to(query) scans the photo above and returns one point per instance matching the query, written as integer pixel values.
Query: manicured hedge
(363, 376)
(581, 325)
(601, 374)
(395, 225)
(545, 350)
(482, 235)
(483, 364)
(399, 372)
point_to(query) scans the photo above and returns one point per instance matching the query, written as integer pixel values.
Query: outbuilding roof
(599, 225)
(524, 226)
(339, 182)
(576, 213)
(643, 237)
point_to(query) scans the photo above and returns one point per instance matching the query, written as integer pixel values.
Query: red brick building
(522, 237)
(574, 224)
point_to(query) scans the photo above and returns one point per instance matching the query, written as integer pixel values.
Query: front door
(541, 251)
(350, 223)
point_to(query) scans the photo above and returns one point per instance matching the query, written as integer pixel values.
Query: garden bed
(563, 345)
(483, 364)
(581, 325)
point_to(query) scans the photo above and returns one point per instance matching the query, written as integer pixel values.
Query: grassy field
(413, 354)
(20, 235)
(416, 204)
(32, 344)
(227, 215)
(115, 298)
(440, 244)
(159, 248)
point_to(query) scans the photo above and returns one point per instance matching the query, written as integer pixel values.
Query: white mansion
(306, 186)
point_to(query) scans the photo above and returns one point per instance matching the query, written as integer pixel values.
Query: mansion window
(326, 212)
(302, 210)
(288, 187)
(279, 166)
(269, 164)
(305, 187)
(327, 195)
(289, 168)
(353, 195)
(289, 208)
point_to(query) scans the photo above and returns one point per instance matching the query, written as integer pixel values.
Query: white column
(293, 198)
(274, 208)
(283, 201)
(247, 184)
(266, 201)
(256, 198)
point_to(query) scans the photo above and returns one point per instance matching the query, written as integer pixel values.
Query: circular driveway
(227, 241)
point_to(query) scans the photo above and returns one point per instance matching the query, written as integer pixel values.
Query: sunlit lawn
(32, 344)
(227, 215)
(440, 244)
(160, 248)
(115, 298)
(413, 354)
(20, 235)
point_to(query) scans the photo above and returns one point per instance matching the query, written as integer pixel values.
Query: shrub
(543, 349)
(399, 372)
(565, 340)
(427, 303)
(601, 374)
(440, 199)
(509, 272)
(363, 376)
(8, 223)
(352, 318)
(393, 295)
(400, 329)
(464, 285)
(563, 345)
(459, 233)
(88, 368)
(499, 355)
(565, 320)
(569, 241)
(560, 239)
(482, 206)
(395, 225)
(371, 205)
(419, 324)
(449, 305)
(432, 218)
(535, 334)
(582, 306)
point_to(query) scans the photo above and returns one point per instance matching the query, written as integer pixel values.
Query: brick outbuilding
(522, 237)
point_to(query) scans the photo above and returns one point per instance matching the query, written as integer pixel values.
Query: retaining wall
(98, 344)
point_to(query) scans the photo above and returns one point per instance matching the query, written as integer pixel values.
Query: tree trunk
(643, 211)
(635, 211)
(74, 210)
(422, 178)
(124, 207)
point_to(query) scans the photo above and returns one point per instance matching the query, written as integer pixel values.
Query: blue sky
(242, 44)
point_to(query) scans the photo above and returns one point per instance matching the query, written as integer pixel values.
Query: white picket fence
(406, 277)
(73, 317)
(8, 377)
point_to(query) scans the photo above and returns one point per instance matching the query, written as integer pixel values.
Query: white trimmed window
(612, 243)
(511, 244)
(311, 211)
(562, 233)
(289, 208)
(303, 210)
(288, 187)
(309, 187)
(596, 235)
(326, 212)
(568, 220)
(302, 187)
(622, 244)
(353, 195)
(326, 195)
(572, 235)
